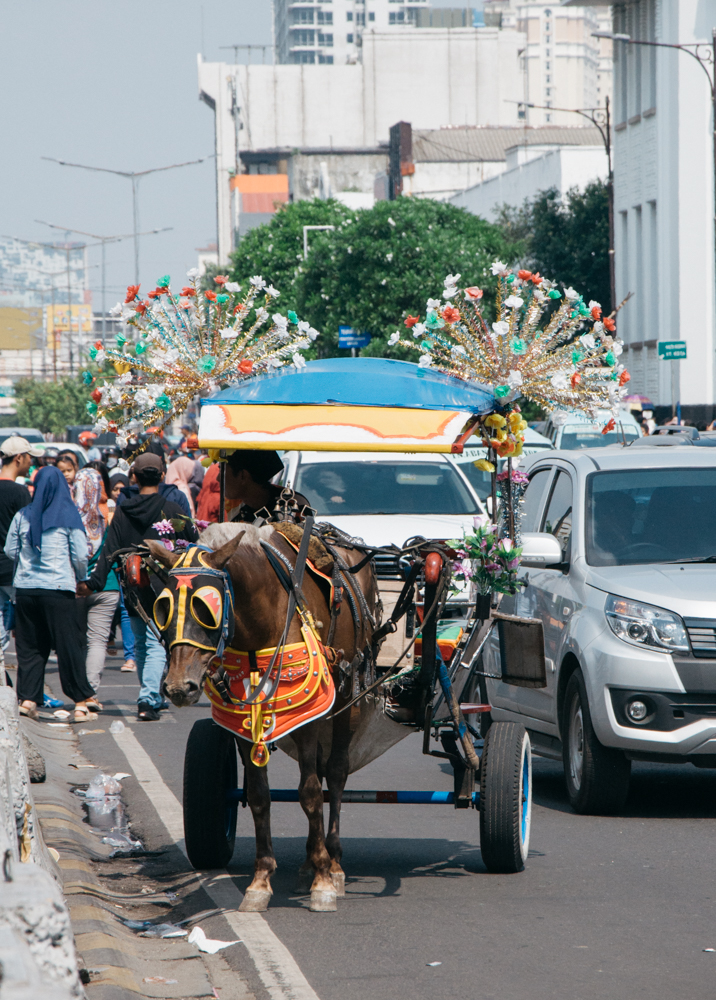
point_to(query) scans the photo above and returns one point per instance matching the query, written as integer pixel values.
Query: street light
(601, 119)
(135, 176)
(705, 56)
(103, 240)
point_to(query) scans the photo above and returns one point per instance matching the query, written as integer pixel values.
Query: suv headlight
(644, 625)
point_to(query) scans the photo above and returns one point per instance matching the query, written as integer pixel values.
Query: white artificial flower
(193, 273)
(514, 379)
(539, 295)
(391, 221)
(598, 327)
(303, 326)
(514, 301)
(588, 342)
(117, 310)
(125, 379)
(232, 286)
(299, 361)
(434, 303)
(142, 398)
(273, 292)
(134, 427)
(617, 349)
(229, 334)
(101, 426)
(274, 362)
(501, 328)
(261, 315)
(384, 281)
(155, 389)
(593, 304)
(100, 358)
(394, 338)
(281, 322)
(560, 381)
(128, 312)
(419, 330)
(389, 257)
(450, 292)
(569, 293)
(123, 464)
(451, 280)
(425, 360)
(497, 267)
(171, 356)
(121, 441)
(303, 343)
(257, 281)
(312, 333)
(115, 394)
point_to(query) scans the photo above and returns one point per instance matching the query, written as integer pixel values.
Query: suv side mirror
(540, 549)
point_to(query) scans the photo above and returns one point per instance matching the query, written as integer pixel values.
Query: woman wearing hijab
(180, 474)
(48, 545)
(207, 504)
(96, 611)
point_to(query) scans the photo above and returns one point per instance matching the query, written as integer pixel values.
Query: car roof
(575, 417)
(314, 457)
(619, 457)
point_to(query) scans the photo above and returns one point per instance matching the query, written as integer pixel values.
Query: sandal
(29, 713)
(84, 715)
(94, 705)
(128, 667)
(147, 713)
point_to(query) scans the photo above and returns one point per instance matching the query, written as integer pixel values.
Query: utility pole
(135, 177)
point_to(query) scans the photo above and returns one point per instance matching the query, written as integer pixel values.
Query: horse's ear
(161, 553)
(220, 557)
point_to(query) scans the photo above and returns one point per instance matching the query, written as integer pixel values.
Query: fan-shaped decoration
(189, 343)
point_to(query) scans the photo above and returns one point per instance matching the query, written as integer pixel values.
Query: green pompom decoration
(554, 294)
(140, 348)
(93, 353)
(518, 346)
(502, 390)
(292, 317)
(576, 356)
(207, 364)
(222, 298)
(164, 402)
(610, 359)
(91, 408)
(510, 279)
(121, 340)
(163, 282)
(87, 378)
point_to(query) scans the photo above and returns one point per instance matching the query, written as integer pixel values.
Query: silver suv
(620, 566)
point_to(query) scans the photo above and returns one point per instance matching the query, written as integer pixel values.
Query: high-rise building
(331, 31)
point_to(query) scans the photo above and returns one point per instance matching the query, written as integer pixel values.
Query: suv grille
(702, 634)
(386, 566)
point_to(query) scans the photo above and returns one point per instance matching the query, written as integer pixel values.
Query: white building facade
(664, 200)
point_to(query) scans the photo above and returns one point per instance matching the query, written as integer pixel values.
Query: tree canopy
(376, 267)
(51, 406)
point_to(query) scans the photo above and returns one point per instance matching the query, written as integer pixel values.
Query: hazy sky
(113, 83)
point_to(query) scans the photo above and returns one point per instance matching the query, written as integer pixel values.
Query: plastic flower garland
(566, 356)
(188, 343)
(489, 563)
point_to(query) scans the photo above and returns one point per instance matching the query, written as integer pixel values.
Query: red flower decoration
(112, 427)
(155, 294)
(142, 307)
(473, 293)
(575, 380)
(524, 275)
(245, 366)
(131, 292)
(99, 345)
(596, 312)
(188, 291)
(624, 378)
(211, 296)
(609, 427)
(609, 324)
(411, 321)
(221, 279)
(536, 278)
(96, 395)
(450, 314)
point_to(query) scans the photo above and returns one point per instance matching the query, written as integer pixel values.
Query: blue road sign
(348, 336)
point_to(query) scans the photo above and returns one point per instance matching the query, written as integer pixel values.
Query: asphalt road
(607, 907)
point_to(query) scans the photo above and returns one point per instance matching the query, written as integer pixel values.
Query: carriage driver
(251, 495)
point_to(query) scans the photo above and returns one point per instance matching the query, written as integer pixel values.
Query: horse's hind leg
(336, 777)
(310, 794)
(258, 894)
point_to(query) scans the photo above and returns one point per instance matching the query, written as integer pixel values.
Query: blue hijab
(52, 505)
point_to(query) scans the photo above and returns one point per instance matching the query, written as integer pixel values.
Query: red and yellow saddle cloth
(305, 692)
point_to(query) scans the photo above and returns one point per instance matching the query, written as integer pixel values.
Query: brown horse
(321, 747)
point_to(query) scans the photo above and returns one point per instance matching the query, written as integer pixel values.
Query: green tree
(51, 406)
(565, 240)
(375, 268)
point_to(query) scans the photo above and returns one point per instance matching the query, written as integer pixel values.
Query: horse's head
(191, 613)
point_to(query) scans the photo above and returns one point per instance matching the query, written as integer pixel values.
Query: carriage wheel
(505, 798)
(210, 771)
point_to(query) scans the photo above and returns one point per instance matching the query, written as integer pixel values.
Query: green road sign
(672, 350)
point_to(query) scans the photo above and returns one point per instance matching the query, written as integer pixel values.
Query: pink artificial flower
(163, 527)
(201, 525)
(167, 544)
(473, 294)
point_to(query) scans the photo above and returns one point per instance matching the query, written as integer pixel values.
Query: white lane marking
(276, 966)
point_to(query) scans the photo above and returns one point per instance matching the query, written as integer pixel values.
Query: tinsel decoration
(565, 357)
(187, 344)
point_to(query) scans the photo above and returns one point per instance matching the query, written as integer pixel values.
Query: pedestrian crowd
(61, 590)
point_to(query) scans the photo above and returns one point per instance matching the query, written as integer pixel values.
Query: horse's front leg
(336, 777)
(257, 896)
(310, 794)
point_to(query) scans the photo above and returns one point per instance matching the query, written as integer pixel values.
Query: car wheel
(597, 777)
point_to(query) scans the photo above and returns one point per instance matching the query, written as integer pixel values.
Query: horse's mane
(217, 535)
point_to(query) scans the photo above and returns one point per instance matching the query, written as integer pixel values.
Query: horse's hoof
(255, 901)
(339, 883)
(304, 882)
(323, 901)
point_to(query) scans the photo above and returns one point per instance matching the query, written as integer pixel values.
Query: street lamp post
(705, 56)
(601, 119)
(103, 240)
(134, 176)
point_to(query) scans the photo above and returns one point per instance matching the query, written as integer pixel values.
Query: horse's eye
(206, 607)
(164, 609)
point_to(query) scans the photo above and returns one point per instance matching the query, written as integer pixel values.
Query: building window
(396, 17)
(548, 91)
(546, 66)
(325, 40)
(546, 52)
(302, 16)
(546, 39)
(360, 17)
(548, 78)
(325, 60)
(371, 16)
(349, 15)
(325, 16)
(548, 118)
(302, 36)
(349, 39)
(304, 57)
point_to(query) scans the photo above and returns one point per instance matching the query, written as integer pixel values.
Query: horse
(260, 605)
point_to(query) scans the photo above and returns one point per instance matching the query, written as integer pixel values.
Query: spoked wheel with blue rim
(210, 771)
(505, 798)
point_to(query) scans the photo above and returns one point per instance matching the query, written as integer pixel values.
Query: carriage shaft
(355, 796)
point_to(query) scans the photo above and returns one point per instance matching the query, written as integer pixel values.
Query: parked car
(78, 450)
(619, 563)
(576, 431)
(385, 498)
(30, 434)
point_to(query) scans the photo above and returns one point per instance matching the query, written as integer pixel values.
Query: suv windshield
(651, 516)
(577, 436)
(384, 488)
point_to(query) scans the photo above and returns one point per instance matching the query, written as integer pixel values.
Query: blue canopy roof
(360, 382)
